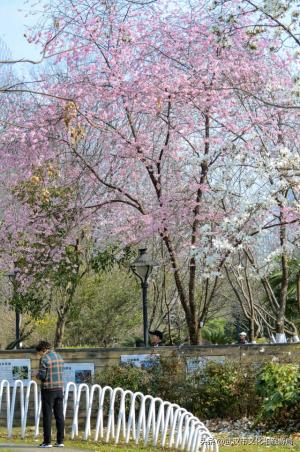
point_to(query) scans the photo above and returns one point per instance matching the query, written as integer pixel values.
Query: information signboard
(15, 369)
(143, 361)
(196, 363)
(78, 372)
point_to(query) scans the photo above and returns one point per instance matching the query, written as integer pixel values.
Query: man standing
(50, 375)
(243, 338)
(156, 338)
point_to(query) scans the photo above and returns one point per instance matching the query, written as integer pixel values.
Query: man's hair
(42, 346)
(157, 333)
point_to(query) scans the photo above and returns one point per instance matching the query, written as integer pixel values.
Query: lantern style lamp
(142, 267)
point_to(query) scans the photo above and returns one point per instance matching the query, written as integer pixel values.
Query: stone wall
(102, 357)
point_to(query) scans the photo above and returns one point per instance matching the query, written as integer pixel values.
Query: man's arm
(42, 372)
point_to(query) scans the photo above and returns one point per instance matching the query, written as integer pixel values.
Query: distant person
(50, 375)
(156, 338)
(243, 338)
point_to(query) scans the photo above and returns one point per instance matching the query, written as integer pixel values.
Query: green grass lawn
(84, 445)
(76, 444)
(268, 444)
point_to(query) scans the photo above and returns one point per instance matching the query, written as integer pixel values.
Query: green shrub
(219, 331)
(127, 377)
(270, 392)
(279, 385)
(227, 391)
(169, 382)
(218, 390)
(262, 340)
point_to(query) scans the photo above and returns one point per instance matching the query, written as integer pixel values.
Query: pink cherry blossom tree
(170, 114)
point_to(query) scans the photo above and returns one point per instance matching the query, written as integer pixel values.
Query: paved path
(33, 448)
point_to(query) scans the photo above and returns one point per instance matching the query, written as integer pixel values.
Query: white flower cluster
(223, 244)
(274, 7)
(287, 159)
(231, 224)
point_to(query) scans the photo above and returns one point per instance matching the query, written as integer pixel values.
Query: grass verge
(253, 444)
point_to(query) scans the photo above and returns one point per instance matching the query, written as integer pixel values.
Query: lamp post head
(142, 266)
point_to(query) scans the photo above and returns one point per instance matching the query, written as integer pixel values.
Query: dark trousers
(52, 400)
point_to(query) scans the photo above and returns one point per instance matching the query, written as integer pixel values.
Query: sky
(12, 29)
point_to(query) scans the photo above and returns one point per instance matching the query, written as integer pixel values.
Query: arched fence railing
(119, 415)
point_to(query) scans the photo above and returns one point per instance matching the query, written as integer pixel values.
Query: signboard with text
(78, 372)
(15, 369)
(197, 363)
(143, 361)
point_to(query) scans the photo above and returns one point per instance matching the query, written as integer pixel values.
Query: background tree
(110, 310)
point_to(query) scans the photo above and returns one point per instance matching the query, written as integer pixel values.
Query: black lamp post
(12, 276)
(142, 267)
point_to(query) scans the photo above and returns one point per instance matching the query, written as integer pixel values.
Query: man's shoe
(59, 445)
(45, 446)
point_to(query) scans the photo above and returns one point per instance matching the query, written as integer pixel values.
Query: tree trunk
(191, 320)
(280, 335)
(64, 309)
(200, 339)
(60, 330)
(252, 330)
(193, 332)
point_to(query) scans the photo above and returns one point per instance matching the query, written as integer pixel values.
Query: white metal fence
(121, 414)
